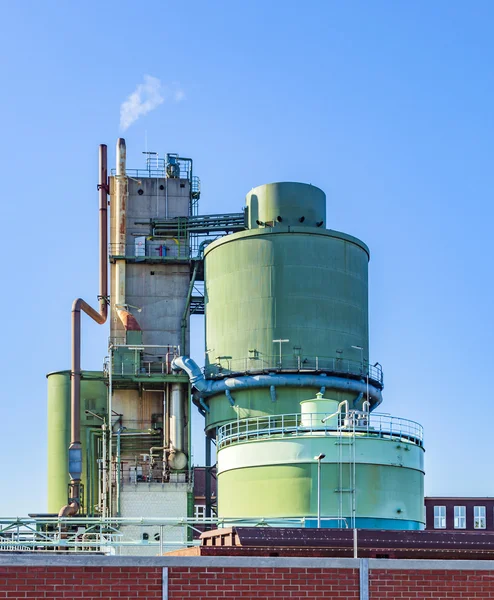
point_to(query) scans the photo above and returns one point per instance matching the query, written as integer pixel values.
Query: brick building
(459, 513)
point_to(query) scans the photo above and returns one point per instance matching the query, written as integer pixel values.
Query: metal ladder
(346, 468)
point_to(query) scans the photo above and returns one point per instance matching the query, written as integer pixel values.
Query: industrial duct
(208, 387)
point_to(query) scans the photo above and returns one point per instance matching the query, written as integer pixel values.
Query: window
(479, 517)
(200, 512)
(439, 517)
(460, 517)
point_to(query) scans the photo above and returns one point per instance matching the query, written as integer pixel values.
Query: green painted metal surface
(293, 282)
(93, 397)
(289, 296)
(286, 203)
(278, 478)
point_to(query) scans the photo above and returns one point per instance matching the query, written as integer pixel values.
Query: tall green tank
(94, 399)
(286, 295)
(288, 388)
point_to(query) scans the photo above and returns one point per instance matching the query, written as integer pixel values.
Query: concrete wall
(156, 500)
(215, 578)
(158, 289)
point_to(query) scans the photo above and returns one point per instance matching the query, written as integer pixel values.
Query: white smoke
(146, 97)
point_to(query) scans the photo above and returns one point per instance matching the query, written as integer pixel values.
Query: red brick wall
(217, 583)
(425, 584)
(184, 582)
(80, 582)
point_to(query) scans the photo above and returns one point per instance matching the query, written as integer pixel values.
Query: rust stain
(128, 320)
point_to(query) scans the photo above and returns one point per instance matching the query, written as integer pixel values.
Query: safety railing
(359, 423)
(135, 536)
(225, 366)
(157, 168)
(140, 360)
(143, 250)
(120, 535)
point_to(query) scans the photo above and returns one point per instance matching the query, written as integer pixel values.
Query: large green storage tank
(286, 305)
(286, 278)
(94, 399)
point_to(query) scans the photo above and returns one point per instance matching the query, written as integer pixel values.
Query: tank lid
(286, 203)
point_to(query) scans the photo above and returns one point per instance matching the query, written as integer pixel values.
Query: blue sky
(385, 105)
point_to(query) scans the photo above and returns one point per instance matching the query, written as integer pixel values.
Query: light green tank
(286, 306)
(93, 398)
(290, 281)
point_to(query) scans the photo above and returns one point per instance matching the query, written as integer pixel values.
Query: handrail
(262, 363)
(356, 423)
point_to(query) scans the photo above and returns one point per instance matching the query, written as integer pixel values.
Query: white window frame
(439, 517)
(199, 512)
(460, 517)
(479, 520)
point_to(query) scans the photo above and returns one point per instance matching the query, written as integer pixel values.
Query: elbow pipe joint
(195, 374)
(69, 510)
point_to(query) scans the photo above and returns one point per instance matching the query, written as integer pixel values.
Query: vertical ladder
(182, 235)
(346, 469)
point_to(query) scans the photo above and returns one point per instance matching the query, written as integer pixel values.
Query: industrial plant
(290, 396)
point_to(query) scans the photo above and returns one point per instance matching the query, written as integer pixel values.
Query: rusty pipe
(69, 510)
(75, 448)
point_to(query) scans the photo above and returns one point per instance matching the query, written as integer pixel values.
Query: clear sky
(388, 106)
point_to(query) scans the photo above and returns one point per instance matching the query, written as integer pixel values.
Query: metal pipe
(319, 493)
(177, 417)
(204, 405)
(119, 462)
(344, 403)
(228, 394)
(75, 448)
(110, 413)
(166, 416)
(207, 475)
(187, 304)
(121, 192)
(104, 504)
(208, 387)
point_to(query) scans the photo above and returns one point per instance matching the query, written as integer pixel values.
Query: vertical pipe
(110, 412)
(121, 190)
(118, 469)
(165, 443)
(207, 490)
(187, 304)
(319, 493)
(75, 448)
(166, 416)
(177, 417)
(105, 473)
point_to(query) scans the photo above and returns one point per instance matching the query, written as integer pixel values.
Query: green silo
(94, 399)
(286, 305)
(287, 296)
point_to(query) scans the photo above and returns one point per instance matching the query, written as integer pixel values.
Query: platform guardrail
(355, 423)
(225, 366)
